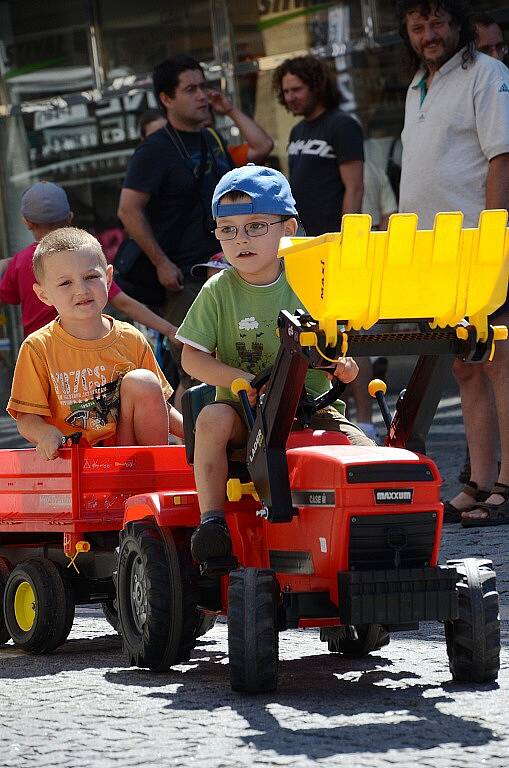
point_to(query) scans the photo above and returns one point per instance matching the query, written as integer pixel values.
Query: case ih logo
(394, 495)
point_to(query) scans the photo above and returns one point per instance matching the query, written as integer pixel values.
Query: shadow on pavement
(309, 690)
(102, 652)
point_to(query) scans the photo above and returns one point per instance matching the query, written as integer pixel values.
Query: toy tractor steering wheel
(307, 405)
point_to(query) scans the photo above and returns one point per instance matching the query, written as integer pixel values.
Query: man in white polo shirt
(456, 157)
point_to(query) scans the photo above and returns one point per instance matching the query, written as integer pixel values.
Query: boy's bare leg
(480, 420)
(143, 417)
(217, 426)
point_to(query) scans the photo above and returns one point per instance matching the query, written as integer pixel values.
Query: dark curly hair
(461, 13)
(315, 74)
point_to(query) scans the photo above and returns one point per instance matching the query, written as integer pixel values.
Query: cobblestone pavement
(83, 706)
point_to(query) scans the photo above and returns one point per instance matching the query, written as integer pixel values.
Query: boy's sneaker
(210, 540)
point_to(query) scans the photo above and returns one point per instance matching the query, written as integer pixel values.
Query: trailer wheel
(38, 606)
(4, 575)
(157, 596)
(253, 639)
(473, 639)
(69, 608)
(370, 637)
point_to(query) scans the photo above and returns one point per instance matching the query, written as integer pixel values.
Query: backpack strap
(224, 149)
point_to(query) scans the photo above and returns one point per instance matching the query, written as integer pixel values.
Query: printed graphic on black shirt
(178, 208)
(316, 150)
(102, 408)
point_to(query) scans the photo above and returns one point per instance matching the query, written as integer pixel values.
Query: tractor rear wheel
(370, 637)
(473, 639)
(39, 606)
(253, 631)
(157, 596)
(4, 575)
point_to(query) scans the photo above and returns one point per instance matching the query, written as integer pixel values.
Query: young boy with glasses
(230, 332)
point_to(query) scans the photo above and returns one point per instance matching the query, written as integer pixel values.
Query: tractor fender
(168, 509)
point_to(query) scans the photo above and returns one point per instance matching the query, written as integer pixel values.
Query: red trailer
(59, 524)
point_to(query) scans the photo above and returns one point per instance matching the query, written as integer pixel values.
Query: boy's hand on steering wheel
(252, 393)
(253, 398)
(346, 370)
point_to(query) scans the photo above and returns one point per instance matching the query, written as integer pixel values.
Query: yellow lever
(235, 490)
(375, 386)
(239, 385)
(500, 333)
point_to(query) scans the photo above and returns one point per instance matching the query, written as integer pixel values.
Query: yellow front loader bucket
(443, 275)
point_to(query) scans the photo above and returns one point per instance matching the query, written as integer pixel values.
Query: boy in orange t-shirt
(86, 372)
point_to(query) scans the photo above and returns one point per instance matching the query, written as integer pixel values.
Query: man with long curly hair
(325, 150)
(456, 158)
(326, 156)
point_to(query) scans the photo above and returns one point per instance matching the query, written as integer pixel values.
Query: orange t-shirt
(73, 383)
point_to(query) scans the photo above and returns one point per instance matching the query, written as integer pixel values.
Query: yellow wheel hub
(24, 606)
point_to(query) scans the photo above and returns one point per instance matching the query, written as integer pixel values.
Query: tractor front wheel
(38, 605)
(473, 639)
(156, 596)
(253, 631)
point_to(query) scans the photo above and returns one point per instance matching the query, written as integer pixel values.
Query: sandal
(452, 514)
(497, 514)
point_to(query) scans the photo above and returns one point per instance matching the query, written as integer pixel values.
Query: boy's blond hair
(65, 239)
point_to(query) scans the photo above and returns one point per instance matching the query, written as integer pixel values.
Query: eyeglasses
(252, 229)
(500, 48)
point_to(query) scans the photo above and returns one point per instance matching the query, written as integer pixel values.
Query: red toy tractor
(342, 538)
(325, 534)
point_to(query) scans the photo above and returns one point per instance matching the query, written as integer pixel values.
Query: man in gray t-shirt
(456, 157)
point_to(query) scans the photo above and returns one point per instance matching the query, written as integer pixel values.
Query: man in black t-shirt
(325, 150)
(325, 158)
(165, 204)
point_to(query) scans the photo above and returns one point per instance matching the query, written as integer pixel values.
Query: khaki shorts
(328, 419)
(174, 310)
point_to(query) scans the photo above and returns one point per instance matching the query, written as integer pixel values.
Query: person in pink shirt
(44, 208)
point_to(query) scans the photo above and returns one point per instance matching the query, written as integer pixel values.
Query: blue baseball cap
(268, 189)
(45, 203)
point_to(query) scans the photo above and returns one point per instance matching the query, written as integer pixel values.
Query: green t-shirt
(238, 321)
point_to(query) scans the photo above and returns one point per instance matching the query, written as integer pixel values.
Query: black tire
(253, 639)
(205, 623)
(157, 596)
(371, 637)
(109, 608)
(473, 639)
(42, 625)
(5, 571)
(69, 610)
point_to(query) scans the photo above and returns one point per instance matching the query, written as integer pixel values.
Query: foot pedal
(218, 566)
